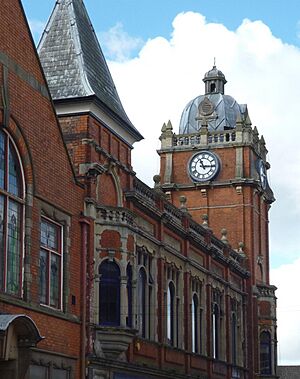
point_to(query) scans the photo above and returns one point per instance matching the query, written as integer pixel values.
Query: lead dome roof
(219, 111)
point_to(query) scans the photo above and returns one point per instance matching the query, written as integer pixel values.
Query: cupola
(215, 109)
(214, 81)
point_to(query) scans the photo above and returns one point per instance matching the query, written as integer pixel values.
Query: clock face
(204, 166)
(262, 172)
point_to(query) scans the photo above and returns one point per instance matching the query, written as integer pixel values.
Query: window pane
(13, 247)
(49, 235)
(109, 294)
(2, 159)
(60, 374)
(109, 304)
(170, 313)
(129, 295)
(38, 372)
(54, 280)
(195, 324)
(142, 302)
(2, 254)
(215, 332)
(14, 172)
(43, 276)
(265, 353)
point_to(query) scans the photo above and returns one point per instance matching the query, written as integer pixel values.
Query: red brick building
(102, 276)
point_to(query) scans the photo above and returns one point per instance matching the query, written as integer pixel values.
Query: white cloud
(286, 278)
(118, 44)
(261, 71)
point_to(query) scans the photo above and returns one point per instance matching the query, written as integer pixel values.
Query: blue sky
(146, 19)
(158, 52)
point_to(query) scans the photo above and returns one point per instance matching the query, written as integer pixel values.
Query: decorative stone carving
(112, 342)
(205, 221)
(224, 236)
(182, 200)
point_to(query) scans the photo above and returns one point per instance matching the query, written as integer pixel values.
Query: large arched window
(109, 294)
(216, 331)
(170, 313)
(142, 284)
(195, 324)
(265, 354)
(11, 217)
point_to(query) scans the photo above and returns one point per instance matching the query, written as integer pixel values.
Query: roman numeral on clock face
(203, 166)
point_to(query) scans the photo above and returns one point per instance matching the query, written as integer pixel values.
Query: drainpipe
(84, 251)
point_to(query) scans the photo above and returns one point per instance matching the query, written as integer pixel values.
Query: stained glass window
(50, 264)
(13, 246)
(11, 217)
(14, 174)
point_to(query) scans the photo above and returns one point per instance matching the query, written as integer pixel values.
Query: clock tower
(216, 168)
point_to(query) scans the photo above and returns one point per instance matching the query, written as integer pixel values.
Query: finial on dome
(214, 61)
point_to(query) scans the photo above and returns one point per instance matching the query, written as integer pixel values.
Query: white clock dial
(262, 172)
(203, 166)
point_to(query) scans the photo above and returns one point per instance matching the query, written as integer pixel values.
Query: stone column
(123, 301)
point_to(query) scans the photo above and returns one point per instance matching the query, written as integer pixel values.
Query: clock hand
(201, 163)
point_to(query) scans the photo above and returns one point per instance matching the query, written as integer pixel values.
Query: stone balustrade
(114, 215)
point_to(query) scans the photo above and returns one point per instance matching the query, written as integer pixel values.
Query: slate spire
(74, 63)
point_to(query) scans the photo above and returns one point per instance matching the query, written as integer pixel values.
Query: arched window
(213, 87)
(129, 295)
(109, 293)
(170, 313)
(216, 331)
(142, 283)
(265, 354)
(195, 324)
(11, 217)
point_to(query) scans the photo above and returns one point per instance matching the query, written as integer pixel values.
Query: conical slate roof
(73, 61)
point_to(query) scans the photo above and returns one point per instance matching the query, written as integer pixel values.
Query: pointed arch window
(11, 216)
(109, 294)
(265, 354)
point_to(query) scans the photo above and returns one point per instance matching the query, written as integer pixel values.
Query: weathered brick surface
(34, 128)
